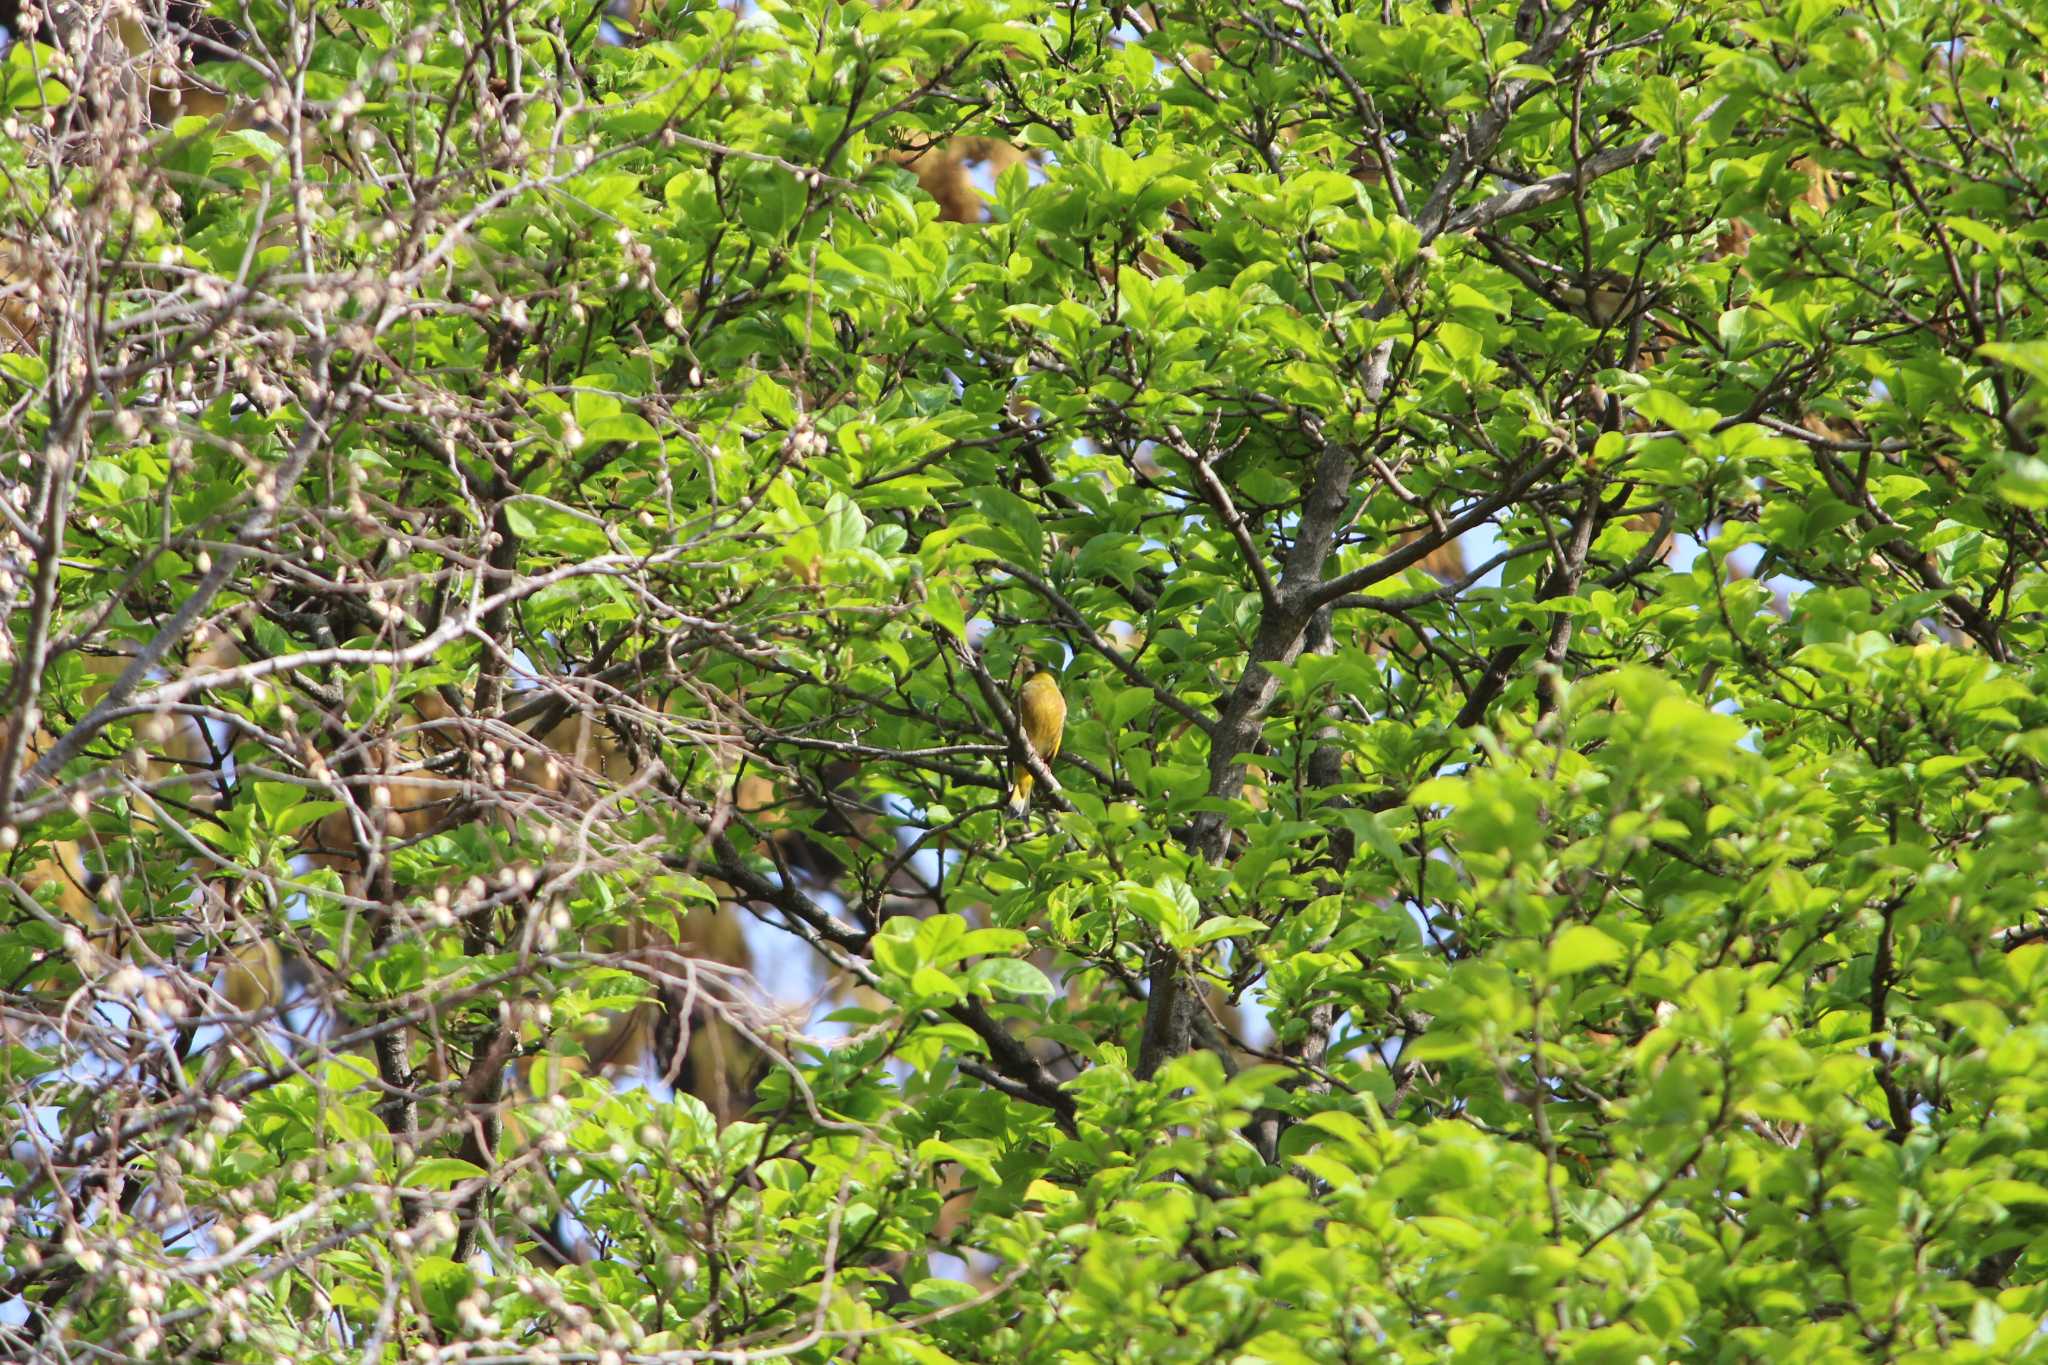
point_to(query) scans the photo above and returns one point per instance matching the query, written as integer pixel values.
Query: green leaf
(1226, 926)
(1009, 976)
(944, 605)
(441, 1172)
(1021, 537)
(1581, 947)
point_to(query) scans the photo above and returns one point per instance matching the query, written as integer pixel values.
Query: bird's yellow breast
(1042, 712)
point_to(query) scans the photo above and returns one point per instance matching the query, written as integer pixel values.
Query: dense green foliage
(1628, 946)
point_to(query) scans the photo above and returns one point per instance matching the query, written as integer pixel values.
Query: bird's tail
(1020, 794)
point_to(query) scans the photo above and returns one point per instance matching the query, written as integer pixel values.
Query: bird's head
(1030, 660)
(1047, 654)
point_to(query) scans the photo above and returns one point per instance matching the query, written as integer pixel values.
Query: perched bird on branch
(1042, 716)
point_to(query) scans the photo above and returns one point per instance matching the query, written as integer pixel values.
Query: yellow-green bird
(1041, 715)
